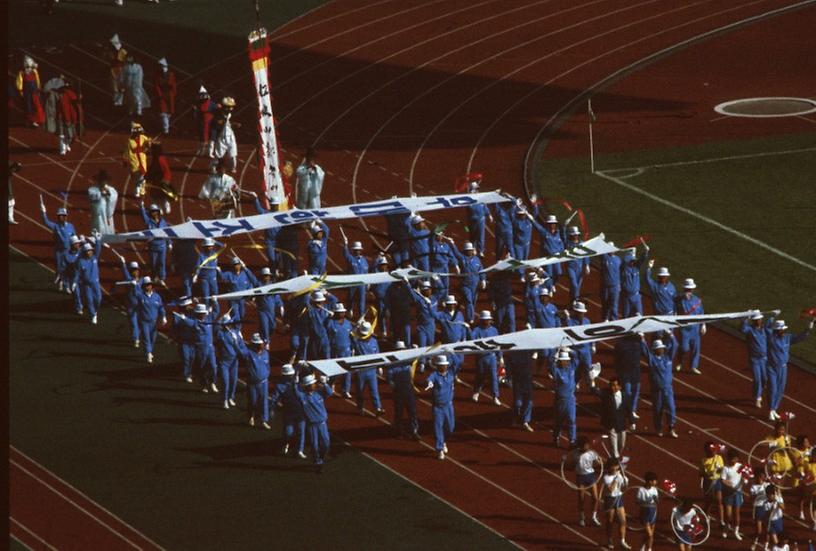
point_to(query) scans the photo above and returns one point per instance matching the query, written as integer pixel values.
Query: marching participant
(779, 343)
(157, 246)
(659, 358)
(546, 313)
(270, 234)
(221, 191)
(486, 364)
(159, 177)
(441, 382)
(532, 297)
(207, 267)
(402, 383)
(364, 343)
(683, 519)
(379, 292)
(522, 232)
(203, 113)
(627, 370)
(583, 352)
(150, 308)
(309, 183)
(398, 300)
(397, 229)
(611, 269)
(204, 362)
(357, 264)
(453, 329)
(520, 366)
(318, 247)
(28, 88)
(631, 304)
(240, 278)
(688, 304)
(131, 82)
(256, 359)
(419, 238)
(775, 508)
(289, 245)
(339, 330)
(647, 498)
(14, 167)
(132, 274)
(442, 258)
(756, 338)
(586, 461)
(62, 230)
(425, 309)
(553, 239)
(270, 308)
(757, 492)
(662, 290)
(222, 145)
(315, 316)
(472, 279)
(476, 220)
(117, 56)
(500, 290)
(135, 157)
(184, 262)
(711, 478)
(615, 416)
(294, 424)
(576, 268)
(312, 402)
(563, 373)
(230, 346)
(87, 278)
(165, 88)
(68, 116)
(614, 483)
(185, 336)
(731, 478)
(504, 228)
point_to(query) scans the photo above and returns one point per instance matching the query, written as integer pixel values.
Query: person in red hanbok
(165, 88)
(28, 87)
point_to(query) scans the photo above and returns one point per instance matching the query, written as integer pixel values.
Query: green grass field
(762, 189)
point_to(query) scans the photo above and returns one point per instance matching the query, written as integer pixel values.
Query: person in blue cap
(611, 267)
(779, 343)
(659, 358)
(577, 268)
(662, 290)
(86, 278)
(312, 399)
(339, 330)
(398, 300)
(440, 383)
(563, 369)
(185, 336)
(689, 304)
(520, 365)
(240, 278)
(62, 230)
(150, 310)
(453, 329)
(756, 338)
(230, 346)
(357, 264)
(631, 303)
(486, 364)
(401, 379)
(294, 424)
(270, 234)
(470, 266)
(317, 248)
(363, 343)
(207, 269)
(156, 247)
(256, 360)
(419, 238)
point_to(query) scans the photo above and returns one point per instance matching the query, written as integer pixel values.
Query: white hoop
(702, 515)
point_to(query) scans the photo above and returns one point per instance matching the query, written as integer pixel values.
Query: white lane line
(710, 160)
(706, 219)
(30, 533)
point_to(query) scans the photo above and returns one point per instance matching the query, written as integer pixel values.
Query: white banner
(329, 282)
(530, 339)
(592, 247)
(199, 229)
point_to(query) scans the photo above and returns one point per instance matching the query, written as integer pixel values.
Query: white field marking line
(543, 86)
(47, 192)
(805, 119)
(711, 160)
(611, 77)
(722, 108)
(176, 68)
(56, 162)
(75, 504)
(511, 73)
(706, 219)
(30, 533)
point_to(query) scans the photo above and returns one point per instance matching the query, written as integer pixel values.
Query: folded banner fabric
(530, 339)
(592, 247)
(200, 229)
(302, 283)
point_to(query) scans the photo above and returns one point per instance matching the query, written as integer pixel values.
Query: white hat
(339, 307)
(468, 246)
(543, 291)
(318, 296)
(256, 338)
(186, 301)
(146, 280)
(75, 239)
(226, 318)
(551, 219)
(266, 271)
(399, 345)
(663, 272)
(485, 315)
(308, 380)
(563, 355)
(115, 41)
(757, 315)
(163, 62)
(91, 239)
(450, 300)
(473, 185)
(201, 309)
(573, 230)
(228, 101)
(594, 371)
(579, 306)
(87, 247)
(532, 276)
(287, 369)
(657, 343)
(356, 246)
(364, 327)
(779, 325)
(425, 284)
(689, 284)
(274, 200)
(202, 91)
(208, 242)
(133, 265)
(236, 260)
(416, 219)
(153, 207)
(28, 62)
(382, 260)
(441, 360)
(62, 211)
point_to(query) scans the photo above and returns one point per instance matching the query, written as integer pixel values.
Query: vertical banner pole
(591, 141)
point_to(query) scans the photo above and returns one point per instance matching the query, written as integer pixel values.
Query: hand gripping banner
(593, 247)
(530, 339)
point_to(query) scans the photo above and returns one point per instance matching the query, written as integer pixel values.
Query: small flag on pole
(590, 112)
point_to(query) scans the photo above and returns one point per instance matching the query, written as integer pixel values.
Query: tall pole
(257, 4)
(591, 141)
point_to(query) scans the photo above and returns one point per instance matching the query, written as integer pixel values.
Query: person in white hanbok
(309, 183)
(102, 197)
(223, 146)
(222, 192)
(132, 82)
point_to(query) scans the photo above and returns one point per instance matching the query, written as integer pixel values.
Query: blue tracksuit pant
(759, 371)
(133, 320)
(444, 422)
(91, 296)
(477, 234)
(205, 364)
(564, 415)
(266, 321)
(187, 353)
(689, 344)
(229, 378)
(609, 302)
(404, 400)
(149, 332)
(631, 304)
(209, 284)
(158, 264)
(584, 355)
(258, 403)
(663, 405)
(486, 367)
(294, 426)
(506, 318)
(319, 441)
(368, 378)
(777, 379)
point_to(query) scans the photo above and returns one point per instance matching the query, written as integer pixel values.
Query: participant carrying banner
(269, 160)
(593, 247)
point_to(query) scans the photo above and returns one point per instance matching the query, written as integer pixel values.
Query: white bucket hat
(208, 242)
(287, 369)
(468, 246)
(62, 211)
(573, 230)
(657, 344)
(425, 284)
(75, 239)
(757, 315)
(563, 355)
(163, 62)
(485, 315)
(256, 338)
(441, 360)
(689, 284)
(201, 309)
(133, 265)
(308, 380)
(663, 272)
(266, 271)
(381, 260)
(364, 327)
(552, 219)
(400, 345)
(356, 246)
(450, 300)
(87, 247)
(114, 40)
(339, 307)
(579, 307)
(416, 219)
(318, 296)
(779, 325)
(543, 291)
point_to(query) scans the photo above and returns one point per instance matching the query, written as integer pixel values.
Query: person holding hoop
(614, 483)
(779, 460)
(647, 498)
(774, 507)
(685, 521)
(710, 472)
(731, 480)
(586, 478)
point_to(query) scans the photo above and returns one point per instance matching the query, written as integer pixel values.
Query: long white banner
(312, 282)
(592, 247)
(199, 229)
(530, 339)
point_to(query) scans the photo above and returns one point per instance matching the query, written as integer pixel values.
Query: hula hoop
(574, 486)
(777, 477)
(702, 515)
(753, 458)
(631, 504)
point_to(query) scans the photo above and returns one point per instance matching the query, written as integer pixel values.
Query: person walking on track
(779, 343)
(309, 182)
(689, 304)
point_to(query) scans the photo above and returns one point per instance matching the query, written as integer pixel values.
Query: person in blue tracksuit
(206, 270)
(532, 297)
(627, 369)
(150, 309)
(486, 364)
(522, 232)
(270, 234)
(397, 228)
(689, 304)
(270, 308)
(779, 343)
(583, 352)
(62, 230)
(185, 336)
(660, 358)
(363, 342)
(401, 379)
(563, 370)
(520, 365)
(230, 346)
(256, 360)
(70, 273)
(441, 383)
(398, 300)
(294, 424)
(662, 290)
(184, 261)
(318, 248)
(379, 292)
(546, 313)
(132, 274)
(470, 266)
(312, 400)
(756, 337)
(452, 329)
(315, 317)
(501, 295)
(631, 303)
(577, 268)
(339, 329)
(611, 265)
(156, 247)
(356, 264)
(240, 278)
(442, 259)
(553, 241)
(477, 214)
(419, 242)
(289, 246)
(504, 228)
(297, 324)
(204, 363)
(425, 308)
(86, 269)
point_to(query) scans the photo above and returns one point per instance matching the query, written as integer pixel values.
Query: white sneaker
(696, 371)
(205, 390)
(136, 343)
(347, 395)
(266, 425)
(441, 455)
(251, 421)
(772, 415)
(226, 404)
(93, 319)
(678, 367)
(231, 402)
(758, 403)
(150, 357)
(445, 448)
(496, 401)
(213, 387)
(475, 397)
(189, 379)
(581, 521)
(285, 449)
(301, 455)
(738, 535)
(625, 545)
(527, 427)
(673, 434)
(635, 415)
(595, 520)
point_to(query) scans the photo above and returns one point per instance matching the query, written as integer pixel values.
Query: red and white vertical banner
(269, 158)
